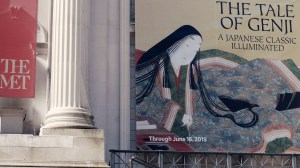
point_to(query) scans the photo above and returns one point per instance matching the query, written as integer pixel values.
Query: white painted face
(183, 53)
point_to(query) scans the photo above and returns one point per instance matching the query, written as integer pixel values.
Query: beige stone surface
(54, 148)
(73, 132)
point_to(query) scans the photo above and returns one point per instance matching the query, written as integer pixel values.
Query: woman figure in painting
(173, 65)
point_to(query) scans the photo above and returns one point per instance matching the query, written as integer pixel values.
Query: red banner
(18, 27)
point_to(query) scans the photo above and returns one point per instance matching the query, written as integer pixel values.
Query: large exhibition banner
(18, 26)
(218, 76)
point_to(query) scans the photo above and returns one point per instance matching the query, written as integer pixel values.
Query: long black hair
(157, 57)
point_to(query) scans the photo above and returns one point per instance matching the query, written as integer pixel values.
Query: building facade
(82, 84)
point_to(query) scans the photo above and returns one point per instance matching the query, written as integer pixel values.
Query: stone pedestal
(11, 121)
(54, 148)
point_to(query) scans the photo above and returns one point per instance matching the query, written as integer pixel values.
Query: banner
(218, 76)
(18, 27)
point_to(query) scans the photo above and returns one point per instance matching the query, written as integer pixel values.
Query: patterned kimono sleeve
(170, 115)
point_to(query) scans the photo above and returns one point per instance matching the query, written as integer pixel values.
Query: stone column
(69, 106)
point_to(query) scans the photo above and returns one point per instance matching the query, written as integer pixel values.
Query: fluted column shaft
(69, 106)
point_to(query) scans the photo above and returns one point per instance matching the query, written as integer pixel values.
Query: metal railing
(139, 162)
(171, 159)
